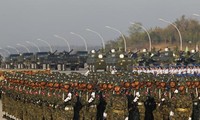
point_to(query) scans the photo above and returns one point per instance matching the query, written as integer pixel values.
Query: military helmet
(117, 87)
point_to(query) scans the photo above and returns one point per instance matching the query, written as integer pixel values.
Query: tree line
(161, 37)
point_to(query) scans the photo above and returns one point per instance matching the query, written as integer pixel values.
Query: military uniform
(196, 109)
(118, 104)
(181, 105)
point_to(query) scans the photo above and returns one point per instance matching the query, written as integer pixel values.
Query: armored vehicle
(124, 62)
(38, 60)
(191, 57)
(11, 61)
(73, 62)
(96, 61)
(83, 55)
(24, 61)
(166, 57)
(51, 61)
(143, 58)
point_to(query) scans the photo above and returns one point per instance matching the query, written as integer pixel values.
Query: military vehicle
(143, 58)
(96, 61)
(166, 57)
(191, 57)
(73, 62)
(51, 61)
(11, 61)
(64, 60)
(124, 62)
(38, 60)
(24, 61)
(154, 59)
(83, 55)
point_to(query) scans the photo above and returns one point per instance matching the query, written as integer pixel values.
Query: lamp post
(13, 48)
(112, 28)
(51, 50)
(179, 33)
(24, 47)
(5, 50)
(31, 43)
(146, 32)
(57, 36)
(86, 48)
(102, 40)
(197, 15)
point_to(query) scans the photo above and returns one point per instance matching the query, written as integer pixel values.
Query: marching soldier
(119, 104)
(181, 103)
(91, 105)
(195, 108)
(150, 106)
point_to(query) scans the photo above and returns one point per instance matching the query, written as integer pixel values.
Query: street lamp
(197, 15)
(181, 44)
(24, 47)
(121, 35)
(13, 48)
(5, 50)
(31, 43)
(51, 50)
(102, 40)
(145, 31)
(86, 48)
(57, 36)
(2, 54)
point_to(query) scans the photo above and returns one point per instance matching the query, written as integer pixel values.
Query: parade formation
(118, 95)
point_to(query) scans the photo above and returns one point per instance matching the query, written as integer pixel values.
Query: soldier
(181, 103)
(164, 108)
(118, 104)
(92, 100)
(101, 107)
(83, 97)
(133, 111)
(150, 106)
(195, 108)
(77, 107)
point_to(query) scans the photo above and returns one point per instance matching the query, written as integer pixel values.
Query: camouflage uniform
(196, 109)
(182, 106)
(118, 104)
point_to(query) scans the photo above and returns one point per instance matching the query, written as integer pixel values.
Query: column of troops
(100, 96)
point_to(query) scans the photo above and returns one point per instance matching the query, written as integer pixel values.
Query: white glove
(126, 118)
(137, 94)
(93, 94)
(190, 118)
(171, 113)
(199, 98)
(176, 91)
(69, 97)
(91, 99)
(105, 115)
(135, 100)
(163, 99)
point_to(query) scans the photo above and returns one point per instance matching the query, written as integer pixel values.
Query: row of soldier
(98, 96)
(191, 70)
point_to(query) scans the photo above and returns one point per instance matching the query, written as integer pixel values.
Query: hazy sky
(28, 20)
